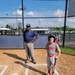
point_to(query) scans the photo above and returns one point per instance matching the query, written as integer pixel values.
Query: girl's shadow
(30, 67)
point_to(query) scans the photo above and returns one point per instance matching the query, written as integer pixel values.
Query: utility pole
(65, 23)
(23, 20)
(22, 15)
(7, 20)
(16, 18)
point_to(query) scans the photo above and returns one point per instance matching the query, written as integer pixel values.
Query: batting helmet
(51, 35)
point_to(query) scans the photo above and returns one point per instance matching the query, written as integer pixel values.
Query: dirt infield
(12, 62)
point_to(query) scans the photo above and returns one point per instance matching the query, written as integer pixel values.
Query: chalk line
(5, 67)
(26, 71)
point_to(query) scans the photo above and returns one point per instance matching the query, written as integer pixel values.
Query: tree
(8, 26)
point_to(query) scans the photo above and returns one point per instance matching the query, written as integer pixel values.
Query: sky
(34, 8)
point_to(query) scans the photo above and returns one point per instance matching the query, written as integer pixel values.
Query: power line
(31, 17)
(49, 0)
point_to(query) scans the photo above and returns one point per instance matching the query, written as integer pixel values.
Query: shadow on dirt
(14, 56)
(30, 67)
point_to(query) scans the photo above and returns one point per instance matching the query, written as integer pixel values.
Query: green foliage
(68, 51)
(8, 26)
(62, 28)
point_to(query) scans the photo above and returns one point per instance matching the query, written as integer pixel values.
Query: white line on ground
(26, 72)
(5, 67)
(56, 72)
(38, 65)
(15, 74)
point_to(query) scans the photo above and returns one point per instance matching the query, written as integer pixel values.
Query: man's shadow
(30, 67)
(14, 56)
(23, 64)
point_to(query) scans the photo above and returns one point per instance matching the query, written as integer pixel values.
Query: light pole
(16, 17)
(23, 20)
(7, 16)
(22, 14)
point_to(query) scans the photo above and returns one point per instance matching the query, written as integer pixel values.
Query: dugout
(4, 31)
(42, 31)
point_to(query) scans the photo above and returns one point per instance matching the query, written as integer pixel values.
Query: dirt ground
(12, 62)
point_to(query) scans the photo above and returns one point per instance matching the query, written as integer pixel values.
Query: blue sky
(34, 9)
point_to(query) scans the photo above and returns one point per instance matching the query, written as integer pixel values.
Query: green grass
(68, 51)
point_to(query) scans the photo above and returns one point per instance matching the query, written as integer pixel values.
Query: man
(29, 38)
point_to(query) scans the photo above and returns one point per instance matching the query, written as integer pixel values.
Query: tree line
(52, 28)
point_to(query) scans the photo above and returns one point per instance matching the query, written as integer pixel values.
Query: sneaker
(26, 61)
(47, 74)
(53, 73)
(34, 62)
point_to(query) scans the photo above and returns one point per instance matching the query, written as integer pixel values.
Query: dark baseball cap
(28, 25)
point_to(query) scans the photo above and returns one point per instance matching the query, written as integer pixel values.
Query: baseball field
(12, 62)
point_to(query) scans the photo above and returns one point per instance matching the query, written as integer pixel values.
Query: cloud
(71, 19)
(18, 12)
(39, 13)
(42, 22)
(3, 23)
(30, 13)
(59, 13)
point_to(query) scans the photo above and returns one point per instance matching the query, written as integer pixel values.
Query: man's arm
(36, 37)
(24, 36)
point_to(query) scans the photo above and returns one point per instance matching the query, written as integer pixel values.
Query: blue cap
(28, 25)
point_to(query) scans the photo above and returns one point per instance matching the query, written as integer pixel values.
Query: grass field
(68, 51)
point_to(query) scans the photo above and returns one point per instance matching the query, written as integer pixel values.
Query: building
(42, 30)
(4, 31)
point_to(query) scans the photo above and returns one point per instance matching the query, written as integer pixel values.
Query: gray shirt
(52, 49)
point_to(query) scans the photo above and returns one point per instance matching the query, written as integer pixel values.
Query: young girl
(52, 48)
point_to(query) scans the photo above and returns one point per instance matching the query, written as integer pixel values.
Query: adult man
(29, 38)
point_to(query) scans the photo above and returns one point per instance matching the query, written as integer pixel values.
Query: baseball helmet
(28, 25)
(51, 35)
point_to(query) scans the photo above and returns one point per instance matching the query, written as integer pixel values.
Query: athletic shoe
(26, 61)
(34, 62)
(47, 74)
